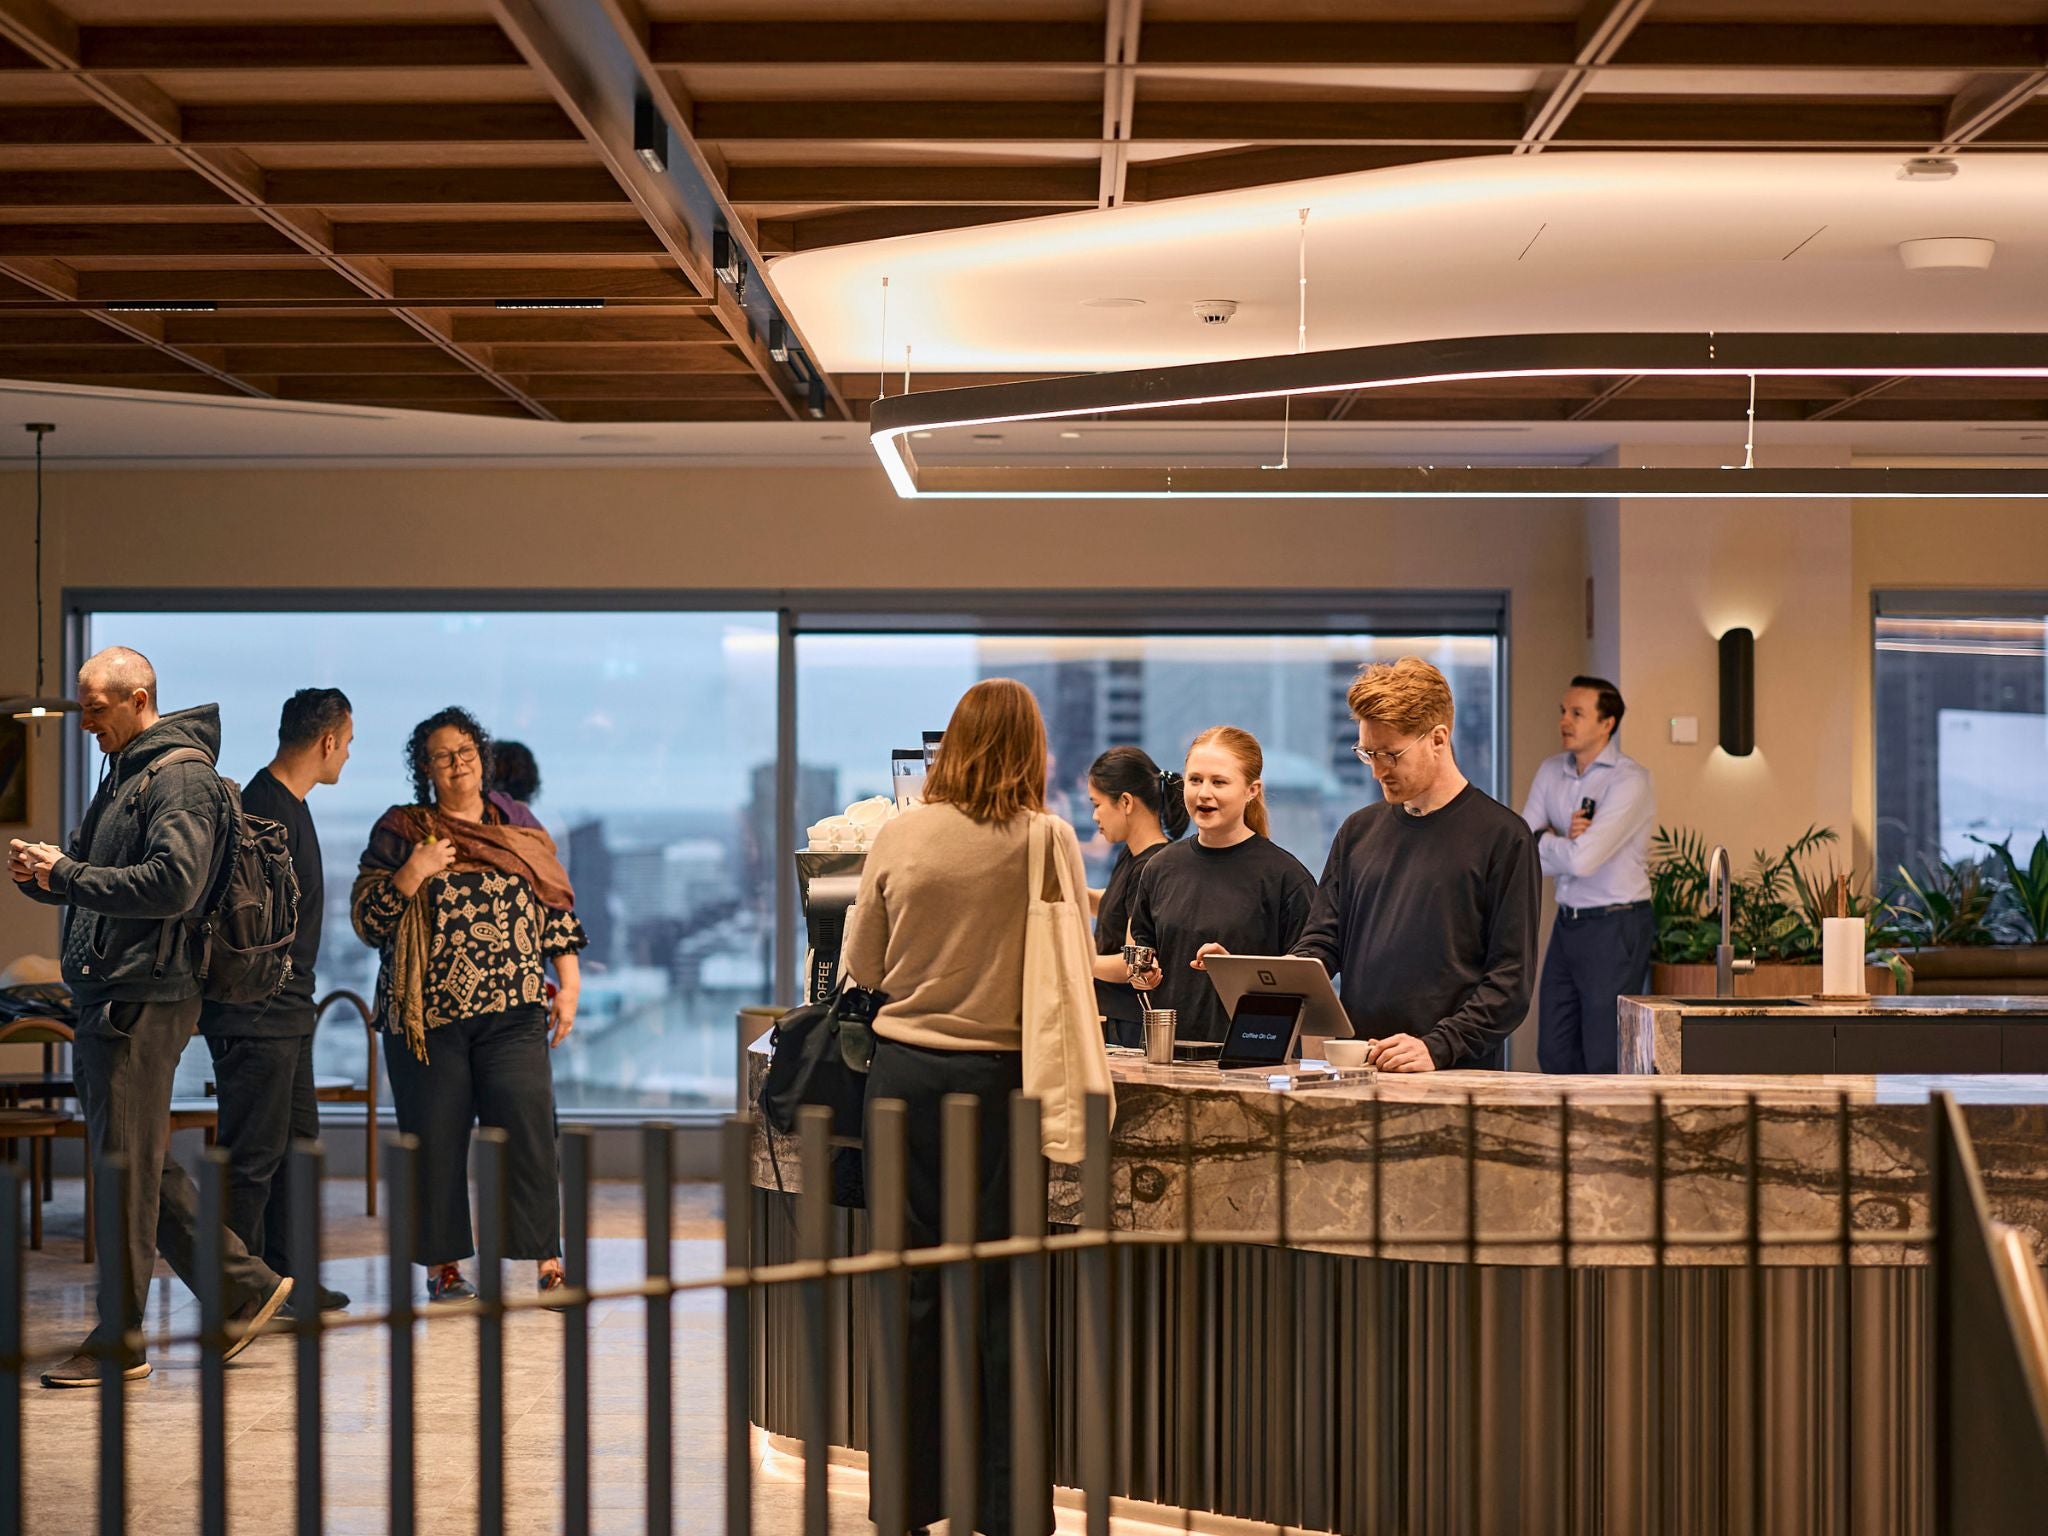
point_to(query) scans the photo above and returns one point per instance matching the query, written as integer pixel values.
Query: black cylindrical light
(1738, 693)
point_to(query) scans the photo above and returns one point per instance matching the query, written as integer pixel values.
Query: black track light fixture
(650, 134)
(39, 705)
(728, 262)
(778, 339)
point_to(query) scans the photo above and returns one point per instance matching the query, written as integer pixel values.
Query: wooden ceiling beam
(1123, 23)
(248, 238)
(312, 46)
(540, 327)
(427, 285)
(909, 186)
(557, 40)
(645, 386)
(280, 361)
(495, 237)
(516, 122)
(1319, 46)
(282, 331)
(1984, 103)
(109, 189)
(1603, 28)
(784, 236)
(35, 28)
(1230, 169)
(620, 358)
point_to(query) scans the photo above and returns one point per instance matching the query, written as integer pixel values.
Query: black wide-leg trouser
(492, 1070)
(922, 1079)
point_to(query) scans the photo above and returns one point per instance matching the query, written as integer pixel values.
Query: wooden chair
(339, 1090)
(36, 1127)
(52, 1034)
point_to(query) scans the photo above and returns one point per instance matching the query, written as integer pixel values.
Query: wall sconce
(1738, 693)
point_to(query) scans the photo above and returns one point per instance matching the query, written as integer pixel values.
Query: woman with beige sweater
(938, 929)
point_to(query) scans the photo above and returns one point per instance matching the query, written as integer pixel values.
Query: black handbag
(819, 1054)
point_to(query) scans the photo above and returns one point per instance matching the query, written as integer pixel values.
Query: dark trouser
(1592, 961)
(922, 1079)
(125, 1057)
(491, 1070)
(265, 1083)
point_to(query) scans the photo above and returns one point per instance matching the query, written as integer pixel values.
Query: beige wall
(1668, 577)
(761, 530)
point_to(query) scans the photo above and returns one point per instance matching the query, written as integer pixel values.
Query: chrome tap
(1725, 963)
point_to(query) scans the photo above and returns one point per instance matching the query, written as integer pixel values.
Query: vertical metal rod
(1753, 1263)
(213, 1437)
(959, 1326)
(1281, 1448)
(491, 1147)
(576, 1144)
(1096, 1347)
(1845, 1383)
(1470, 1463)
(657, 1176)
(889, 1360)
(302, 1174)
(1658, 1240)
(1569, 1376)
(1030, 1467)
(401, 1218)
(788, 949)
(1186, 1255)
(13, 1279)
(737, 1168)
(814, 1244)
(116, 1342)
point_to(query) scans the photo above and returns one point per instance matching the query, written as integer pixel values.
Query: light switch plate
(1685, 730)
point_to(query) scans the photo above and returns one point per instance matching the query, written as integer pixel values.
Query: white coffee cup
(1345, 1053)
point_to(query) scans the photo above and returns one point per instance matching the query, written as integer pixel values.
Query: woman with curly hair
(462, 895)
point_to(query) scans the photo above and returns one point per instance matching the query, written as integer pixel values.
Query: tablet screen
(1261, 1030)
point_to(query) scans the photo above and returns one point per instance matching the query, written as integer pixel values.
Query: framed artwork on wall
(13, 772)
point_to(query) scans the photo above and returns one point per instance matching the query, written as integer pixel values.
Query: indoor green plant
(1977, 927)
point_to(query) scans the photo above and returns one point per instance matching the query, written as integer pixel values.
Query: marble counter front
(1504, 1166)
(1886, 1036)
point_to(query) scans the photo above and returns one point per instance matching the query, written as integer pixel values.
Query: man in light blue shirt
(1592, 810)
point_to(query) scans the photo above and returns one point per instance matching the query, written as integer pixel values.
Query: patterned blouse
(491, 935)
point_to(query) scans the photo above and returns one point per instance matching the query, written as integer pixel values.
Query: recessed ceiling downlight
(1109, 303)
(1947, 253)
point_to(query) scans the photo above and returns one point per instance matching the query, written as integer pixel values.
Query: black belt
(1575, 913)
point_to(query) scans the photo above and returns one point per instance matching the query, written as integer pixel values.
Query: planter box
(1769, 979)
(1986, 970)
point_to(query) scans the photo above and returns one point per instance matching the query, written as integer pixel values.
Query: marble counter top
(1434, 1166)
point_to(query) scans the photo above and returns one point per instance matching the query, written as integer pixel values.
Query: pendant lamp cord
(39, 431)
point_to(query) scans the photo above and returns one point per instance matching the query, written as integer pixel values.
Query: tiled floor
(61, 1428)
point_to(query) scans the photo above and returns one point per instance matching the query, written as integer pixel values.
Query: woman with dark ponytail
(1141, 808)
(1228, 888)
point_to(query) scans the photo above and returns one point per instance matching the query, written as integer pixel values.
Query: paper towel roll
(1841, 957)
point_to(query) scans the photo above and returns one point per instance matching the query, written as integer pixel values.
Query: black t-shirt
(290, 1013)
(1253, 898)
(1431, 923)
(1117, 999)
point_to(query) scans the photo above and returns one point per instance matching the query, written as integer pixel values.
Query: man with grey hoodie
(137, 871)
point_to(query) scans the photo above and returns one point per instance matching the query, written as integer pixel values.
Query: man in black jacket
(263, 1052)
(138, 868)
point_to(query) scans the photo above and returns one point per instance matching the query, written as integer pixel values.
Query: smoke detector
(1952, 253)
(1928, 168)
(1215, 311)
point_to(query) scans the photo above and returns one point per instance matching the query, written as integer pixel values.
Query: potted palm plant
(1775, 912)
(1977, 928)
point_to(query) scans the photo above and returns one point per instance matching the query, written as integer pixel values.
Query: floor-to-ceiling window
(656, 733)
(1961, 724)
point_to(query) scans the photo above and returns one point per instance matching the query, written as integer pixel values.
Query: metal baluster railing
(213, 1340)
(738, 1163)
(492, 1145)
(401, 1221)
(302, 1171)
(576, 1331)
(13, 1306)
(889, 1360)
(113, 1340)
(960, 1327)
(657, 1173)
(1030, 1474)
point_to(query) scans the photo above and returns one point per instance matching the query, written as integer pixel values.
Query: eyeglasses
(1370, 756)
(451, 758)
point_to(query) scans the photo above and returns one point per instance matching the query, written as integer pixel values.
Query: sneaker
(445, 1283)
(83, 1370)
(247, 1320)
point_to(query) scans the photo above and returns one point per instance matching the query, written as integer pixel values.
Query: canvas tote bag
(1064, 1056)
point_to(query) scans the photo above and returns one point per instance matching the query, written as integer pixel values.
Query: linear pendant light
(39, 705)
(1130, 395)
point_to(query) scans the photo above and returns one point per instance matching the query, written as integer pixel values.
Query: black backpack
(820, 1055)
(245, 923)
